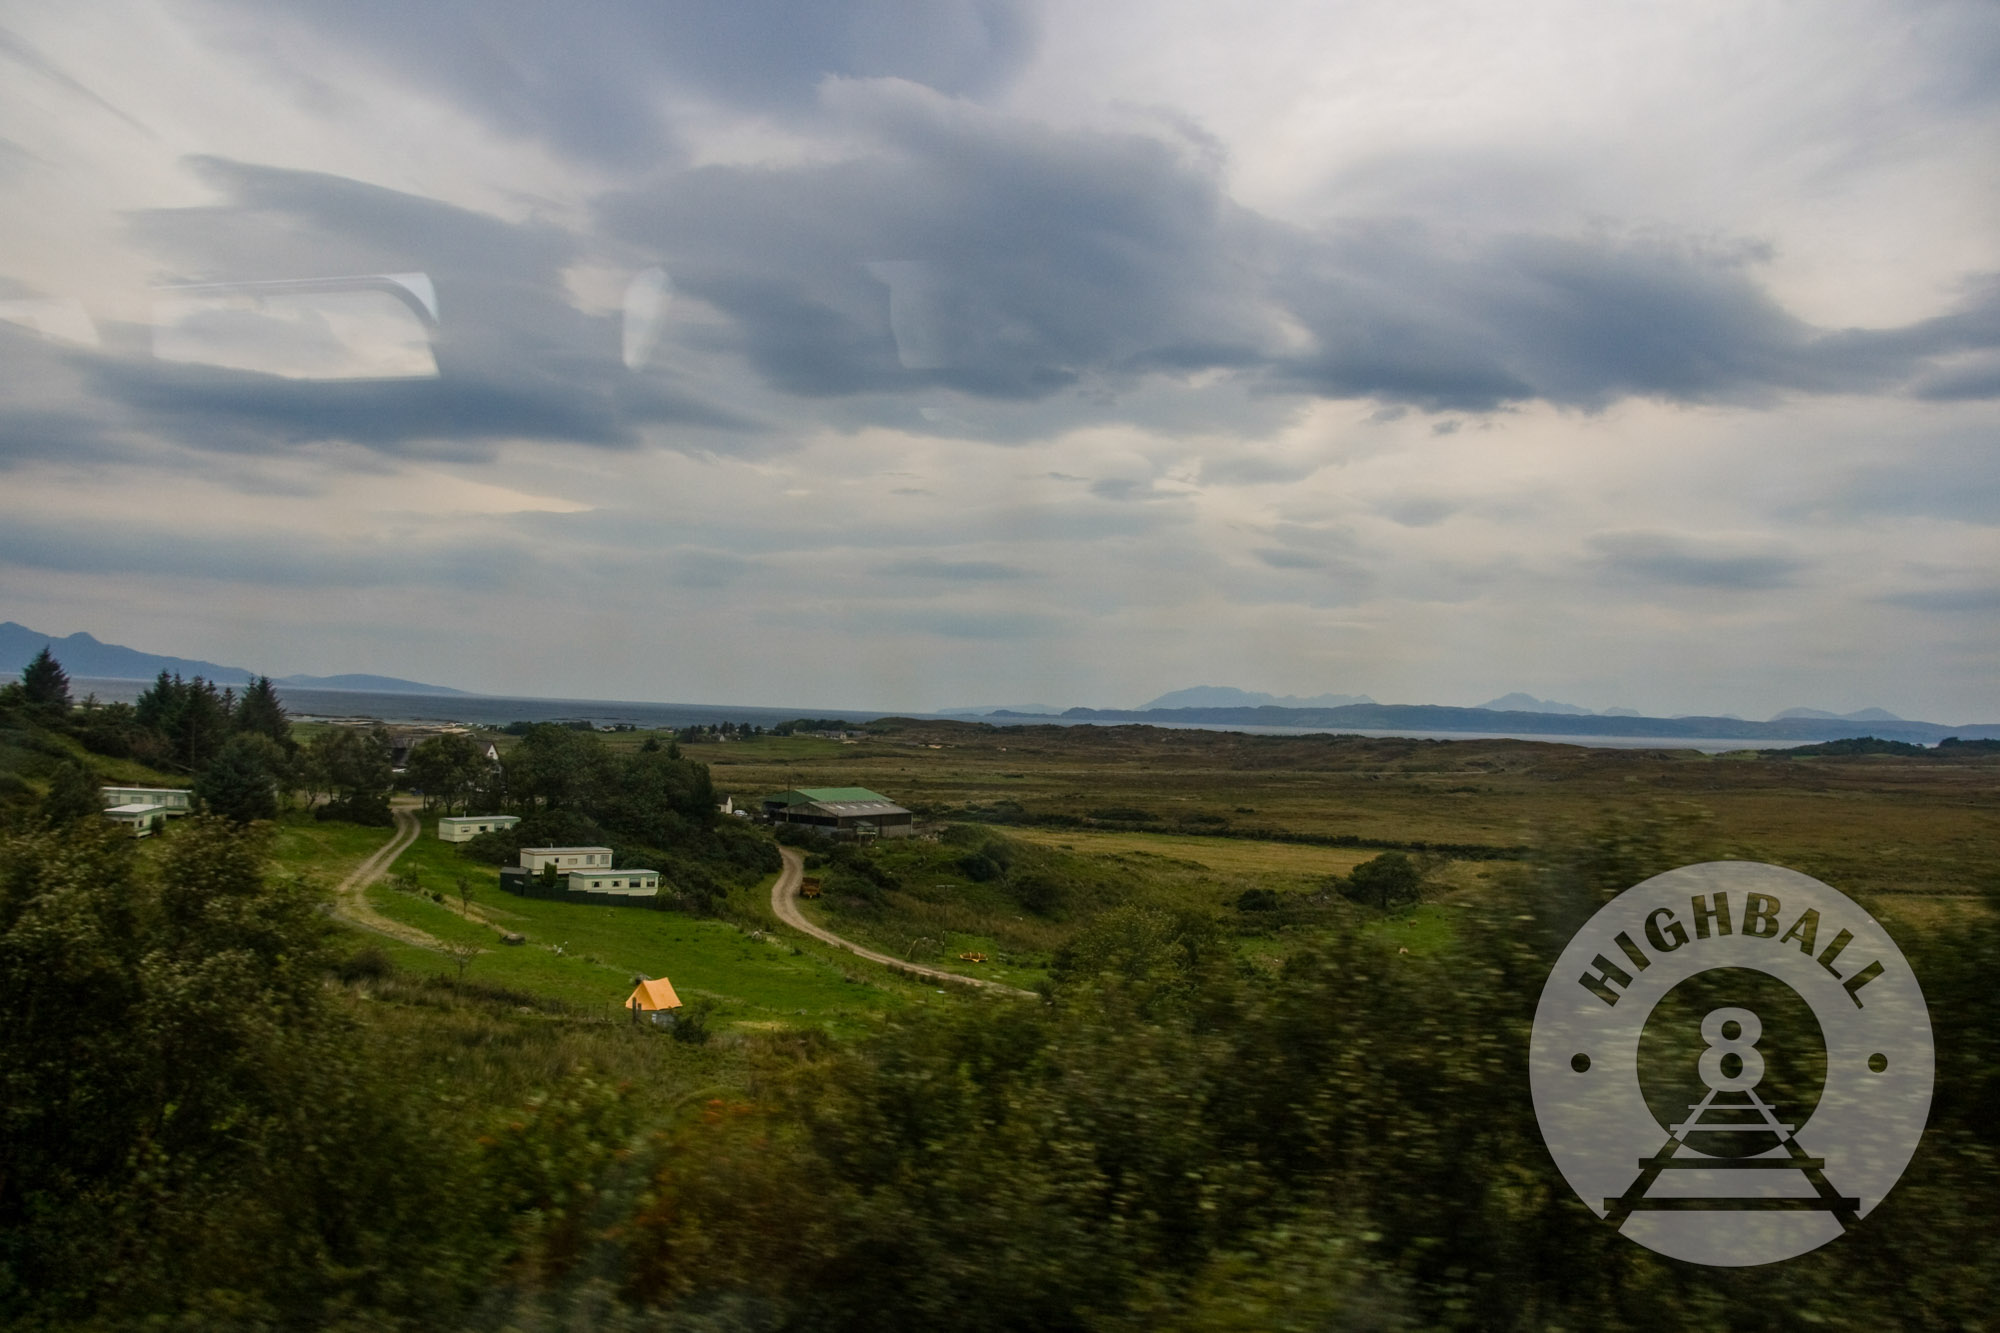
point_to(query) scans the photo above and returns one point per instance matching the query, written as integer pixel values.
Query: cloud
(1696, 562)
(1024, 258)
(1254, 469)
(956, 571)
(1977, 600)
(933, 622)
(1420, 511)
(591, 81)
(968, 249)
(276, 559)
(515, 358)
(1953, 477)
(1282, 558)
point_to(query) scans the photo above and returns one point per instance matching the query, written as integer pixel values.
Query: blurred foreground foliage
(200, 1133)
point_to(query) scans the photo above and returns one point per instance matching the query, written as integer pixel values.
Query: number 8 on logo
(1732, 1062)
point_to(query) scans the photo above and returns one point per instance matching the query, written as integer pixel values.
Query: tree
(1390, 880)
(352, 766)
(239, 784)
(559, 768)
(45, 683)
(188, 720)
(447, 769)
(73, 795)
(261, 713)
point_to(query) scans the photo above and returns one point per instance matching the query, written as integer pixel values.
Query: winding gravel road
(785, 903)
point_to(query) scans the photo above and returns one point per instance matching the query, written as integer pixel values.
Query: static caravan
(625, 883)
(464, 828)
(173, 800)
(566, 858)
(141, 818)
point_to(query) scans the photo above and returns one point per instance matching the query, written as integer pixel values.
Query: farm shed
(841, 812)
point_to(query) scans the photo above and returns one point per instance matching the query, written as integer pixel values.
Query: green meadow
(587, 956)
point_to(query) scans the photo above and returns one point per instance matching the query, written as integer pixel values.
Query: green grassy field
(587, 956)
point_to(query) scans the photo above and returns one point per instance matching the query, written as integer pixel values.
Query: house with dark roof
(840, 812)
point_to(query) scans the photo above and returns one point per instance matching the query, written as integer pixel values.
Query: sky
(918, 354)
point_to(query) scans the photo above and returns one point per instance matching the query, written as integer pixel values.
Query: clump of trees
(1388, 881)
(451, 770)
(189, 1129)
(237, 747)
(652, 806)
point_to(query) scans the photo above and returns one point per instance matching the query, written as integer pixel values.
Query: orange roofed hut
(655, 1000)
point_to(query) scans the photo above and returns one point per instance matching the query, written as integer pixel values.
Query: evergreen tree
(238, 783)
(46, 683)
(261, 713)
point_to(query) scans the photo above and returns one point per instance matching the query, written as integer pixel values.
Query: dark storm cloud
(1006, 260)
(1688, 562)
(970, 250)
(515, 358)
(588, 78)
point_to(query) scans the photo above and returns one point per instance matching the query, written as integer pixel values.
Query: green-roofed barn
(840, 812)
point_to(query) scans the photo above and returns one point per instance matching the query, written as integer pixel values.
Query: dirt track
(350, 897)
(785, 903)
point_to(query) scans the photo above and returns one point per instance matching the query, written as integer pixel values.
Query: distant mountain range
(1011, 710)
(1224, 696)
(1518, 702)
(83, 655)
(1434, 718)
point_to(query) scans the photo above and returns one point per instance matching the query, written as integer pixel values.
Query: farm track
(785, 904)
(350, 897)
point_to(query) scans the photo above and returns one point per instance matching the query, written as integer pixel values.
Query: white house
(628, 883)
(566, 858)
(464, 828)
(173, 800)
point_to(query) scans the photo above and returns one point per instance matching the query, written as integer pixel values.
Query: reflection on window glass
(60, 319)
(312, 329)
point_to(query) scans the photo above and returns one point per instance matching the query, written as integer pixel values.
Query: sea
(308, 704)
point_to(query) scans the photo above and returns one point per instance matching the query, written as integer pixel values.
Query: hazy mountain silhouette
(83, 655)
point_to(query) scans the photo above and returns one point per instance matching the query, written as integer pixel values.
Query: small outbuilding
(654, 1000)
(464, 828)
